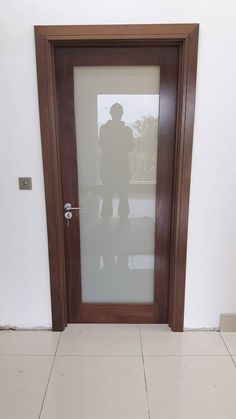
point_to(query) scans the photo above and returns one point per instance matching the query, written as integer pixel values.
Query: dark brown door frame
(47, 37)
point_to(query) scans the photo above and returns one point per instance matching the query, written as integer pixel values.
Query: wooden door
(132, 302)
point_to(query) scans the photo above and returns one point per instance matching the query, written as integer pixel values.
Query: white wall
(211, 267)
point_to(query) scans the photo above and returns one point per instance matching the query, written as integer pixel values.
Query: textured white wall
(211, 267)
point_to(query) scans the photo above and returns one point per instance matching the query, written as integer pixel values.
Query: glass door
(117, 112)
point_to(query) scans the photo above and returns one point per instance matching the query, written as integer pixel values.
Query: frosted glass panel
(116, 113)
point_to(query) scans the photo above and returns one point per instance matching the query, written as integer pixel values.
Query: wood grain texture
(183, 160)
(163, 32)
(117, 313)
(51, 165)
(167, 58)
(186, 37)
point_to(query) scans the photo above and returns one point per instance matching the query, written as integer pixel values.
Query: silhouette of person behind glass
(116, 141)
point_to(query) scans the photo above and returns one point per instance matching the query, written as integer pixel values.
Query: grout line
(58, 344)
(231, 356)
(144, 373)
(19, 354)
(99, 355)
(50, 373)
(139, 356)
(185, 355)
(58, 355)
(115, 355)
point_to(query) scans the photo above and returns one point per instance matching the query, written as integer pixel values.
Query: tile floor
(117, 372)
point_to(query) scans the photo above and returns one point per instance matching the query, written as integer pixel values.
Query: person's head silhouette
(116, 111)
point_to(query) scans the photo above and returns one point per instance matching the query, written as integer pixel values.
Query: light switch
(25, 183)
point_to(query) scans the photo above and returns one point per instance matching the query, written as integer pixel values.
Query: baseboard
(201, 329)
(228, 322)
(33, 329)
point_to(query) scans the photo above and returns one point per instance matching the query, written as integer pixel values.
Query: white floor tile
(96, 388)
(23, 381)
(100, 339)
(28, 342)
(164, 342)
(230, 341)
(191, 387)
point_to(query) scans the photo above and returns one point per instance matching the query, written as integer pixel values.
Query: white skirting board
(228, 322)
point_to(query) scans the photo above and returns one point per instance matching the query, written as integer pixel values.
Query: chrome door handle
(68, 207)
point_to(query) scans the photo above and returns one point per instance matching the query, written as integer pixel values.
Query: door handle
(68, 207)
